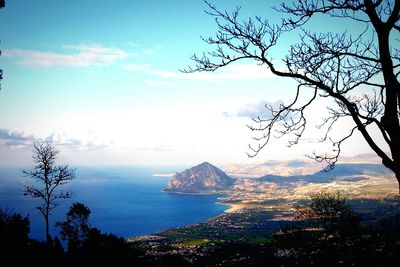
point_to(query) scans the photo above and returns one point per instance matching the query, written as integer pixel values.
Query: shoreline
(193, 193)
(233, 208)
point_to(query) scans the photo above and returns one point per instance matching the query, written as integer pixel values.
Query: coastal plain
(261, 206)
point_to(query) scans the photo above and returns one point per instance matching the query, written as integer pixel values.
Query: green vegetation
(195, 242)
(251, 227)
(325, 231)
(252, 237)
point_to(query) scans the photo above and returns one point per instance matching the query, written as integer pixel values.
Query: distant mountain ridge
(350, 172)
(203, 178)
(206, 178)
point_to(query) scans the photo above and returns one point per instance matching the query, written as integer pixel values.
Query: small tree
(76, 228)
(49, 178)
(325, 230)
(331, 211)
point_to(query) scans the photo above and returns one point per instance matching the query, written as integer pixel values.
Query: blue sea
(124, 201)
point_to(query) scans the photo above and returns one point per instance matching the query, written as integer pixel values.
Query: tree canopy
(76, 228)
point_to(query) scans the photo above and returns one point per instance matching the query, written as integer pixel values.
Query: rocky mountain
(203, 178)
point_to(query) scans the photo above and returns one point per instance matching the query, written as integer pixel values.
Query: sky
(102, 81)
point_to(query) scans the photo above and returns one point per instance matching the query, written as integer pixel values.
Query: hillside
(350, 172)
(352, 180)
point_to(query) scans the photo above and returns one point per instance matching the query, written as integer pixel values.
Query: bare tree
(358, 72)
(49, 178)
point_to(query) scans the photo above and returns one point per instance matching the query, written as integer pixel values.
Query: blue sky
(101, 80)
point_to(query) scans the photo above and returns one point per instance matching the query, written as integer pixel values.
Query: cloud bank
(81, 55)
(254, 110)
(15, 140)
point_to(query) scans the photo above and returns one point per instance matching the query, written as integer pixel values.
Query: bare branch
(331, 159)
(358, 71)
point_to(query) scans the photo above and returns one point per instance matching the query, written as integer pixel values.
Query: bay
(125, 201)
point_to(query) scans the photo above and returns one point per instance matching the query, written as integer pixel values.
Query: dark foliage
(88, 245)
(17, 249)
(76, 228)
(104, 248)
(330, 212)
(14, 230)
(328, 233)
(310, 241)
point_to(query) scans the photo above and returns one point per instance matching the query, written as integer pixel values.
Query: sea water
(124, 201)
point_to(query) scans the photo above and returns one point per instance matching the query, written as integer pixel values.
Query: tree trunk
(390, 120)
(398, 179)
(48, 238)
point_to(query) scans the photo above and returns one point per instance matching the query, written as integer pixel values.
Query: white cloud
(91, 143)
(81, 55)
(15, 140)
(254, 110)
(237, 72)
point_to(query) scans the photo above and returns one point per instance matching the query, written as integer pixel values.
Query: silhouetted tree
(359, 72)
(325, 231)
(105, 248)
(49, 178)
(76, 228)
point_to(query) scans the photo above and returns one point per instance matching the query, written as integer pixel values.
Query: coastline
(193, 193)
(233, 208)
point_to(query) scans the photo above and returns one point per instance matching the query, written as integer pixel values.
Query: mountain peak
(202, 178)
(204, 165)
